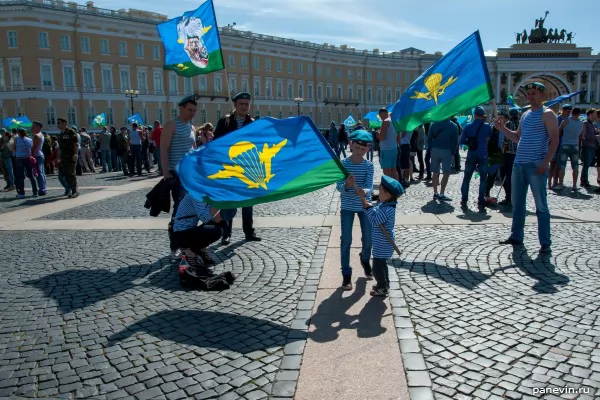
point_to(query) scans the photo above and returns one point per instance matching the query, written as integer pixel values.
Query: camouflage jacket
(67, 143)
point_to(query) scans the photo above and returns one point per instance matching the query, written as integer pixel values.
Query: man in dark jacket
(230, 123)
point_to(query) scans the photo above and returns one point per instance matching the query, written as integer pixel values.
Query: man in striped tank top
(537, 136)
(176, 140)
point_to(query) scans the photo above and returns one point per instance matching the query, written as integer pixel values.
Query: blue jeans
(473, 161)
(41, 178)
(524, 176)
(116, 161)
(340, 149)
(9, 171)
(588, 154)
(136, 159)
(347, 219)
(106, 161)
(157, 157)
(23, 168)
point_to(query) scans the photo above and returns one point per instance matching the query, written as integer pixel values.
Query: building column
(498, 86)
(508, 83)
(588, 86)
(597, 87)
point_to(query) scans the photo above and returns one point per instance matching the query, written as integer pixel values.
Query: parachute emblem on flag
(249, 165)
(434, 86)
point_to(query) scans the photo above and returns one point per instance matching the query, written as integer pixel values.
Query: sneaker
(512, 241)
(67, 192)
(379, 291)
(206, 258)
(347, 282)
(253, 238)
(74, 195)
(35, 195)
(225, 240)
(20, 196)
(545, 249)
(42, 193)
(436, 196)
(176, 255)
(443, 197)
(11, 188)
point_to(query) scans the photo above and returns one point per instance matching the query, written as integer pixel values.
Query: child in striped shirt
(360, 180)
(382, 216)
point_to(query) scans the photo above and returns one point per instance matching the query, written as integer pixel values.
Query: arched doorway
(556, 85)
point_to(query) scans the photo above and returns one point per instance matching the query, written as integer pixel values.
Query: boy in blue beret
(382, 216)
(359, 182)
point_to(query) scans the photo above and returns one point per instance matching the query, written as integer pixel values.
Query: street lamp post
(131, 94)
(298, 101)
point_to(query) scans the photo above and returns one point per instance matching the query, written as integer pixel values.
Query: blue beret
(514, 111)
(535, 85)
(392, 185)
(187, 99)
(361, 137)
(479, 111)
(567, 106)
(242, 96)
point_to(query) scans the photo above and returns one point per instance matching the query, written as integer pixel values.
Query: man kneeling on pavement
(193, 239)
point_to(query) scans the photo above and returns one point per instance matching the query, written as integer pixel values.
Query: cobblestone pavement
(9, 202)
(131, 205)
(493, 322)
(101, 315)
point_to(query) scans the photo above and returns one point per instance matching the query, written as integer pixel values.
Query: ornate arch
(559, 78)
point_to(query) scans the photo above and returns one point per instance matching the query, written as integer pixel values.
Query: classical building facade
(65, 59)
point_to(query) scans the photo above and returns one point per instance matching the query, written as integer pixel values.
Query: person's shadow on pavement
(540, 269)
(331, 316)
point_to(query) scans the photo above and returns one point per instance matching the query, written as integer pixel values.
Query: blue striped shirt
(383, 213)
(533, 145)
(363, 172)
(182, 142)
(190, 212)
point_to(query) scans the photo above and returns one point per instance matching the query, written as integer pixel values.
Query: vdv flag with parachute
(191, 42)
(267, 160)
(349, 121)
(99, 120)
(17, 122)
(135, 118)
(456, 82)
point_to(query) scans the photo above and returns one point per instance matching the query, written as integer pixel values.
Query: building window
(123, 48)
(90, 116)
(88, 77)
(300, 89)
(125, 79)
(258, 113)
(65, 42)
(350, 93)
(290, 89)
(338, 73)
(202, 86)
(300, 68)
(388, 76)
(350, 74)
(398, 76)
(279, 88)
(328, 92)
(110, 120)
(218, 114)
(407, 76)
(388, 95)
(46, 73)
(71, 116)
(359, 75)
(245, 84)
(280, 115)
(104, 47)
(159, 115)
(85, 44)
(379, 75)
(188, 85)
(269, 87)
(173, 82)
(218, 83)
(319, 71)
(173, 113)
(379, 95)
(2, 78)
(13, 42)
(339, 92)
(257, 85)
(328, 72)
(359, 94)
(43, 40)
(107, 79)
(155, 53)
(267, 64)
(320, 118)
(398, 94)
(256, 63)
(369, 95)
(232, 84)
(142, 80)
(68, 77)
(319, 92)
(309, 69)
(231, 60)
(202, 116)
(139, 50)
(144, 115)
(51, 116)
(311, 91)
(16, 75)
(279, 66)
(369, 76)
(244, 62)
(290, 67)
(157, 79)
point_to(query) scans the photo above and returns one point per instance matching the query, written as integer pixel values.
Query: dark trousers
(247, 221)
(509, 161)
(197, 238)
(66, 175)
(380, 272)
(125, 162)
(421, 162)
(457, 160)
(177, 193)
(428, 162)
(136, 159)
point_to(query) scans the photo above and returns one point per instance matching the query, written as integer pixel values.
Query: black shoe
(347, 282)
(368, 270)
(512, 241)
(253, 238)
(42, 193)
(545, 249)
(74, 195)
(225, 240)
(379, 291)
(505, 202)
(428, 178)
(206, 258)
(586, 185)
(463, 203)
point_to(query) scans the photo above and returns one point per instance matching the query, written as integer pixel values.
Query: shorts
(387, 158)
(404, 156)
(568, 151)
(443, 157)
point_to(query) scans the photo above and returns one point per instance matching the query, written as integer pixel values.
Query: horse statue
(570, 37)
(524, 36)
(550, 35)
(561, 37)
